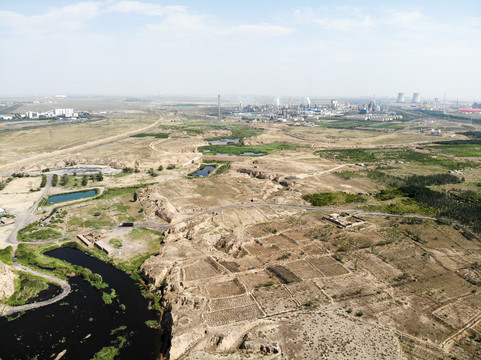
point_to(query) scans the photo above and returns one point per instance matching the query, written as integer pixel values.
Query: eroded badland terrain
(336, 243)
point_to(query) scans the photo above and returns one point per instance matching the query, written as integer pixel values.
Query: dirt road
(78, 148)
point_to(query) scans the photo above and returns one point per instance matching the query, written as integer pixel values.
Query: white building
(66, 112)
(32, 115)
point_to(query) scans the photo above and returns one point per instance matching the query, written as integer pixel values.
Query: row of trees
(64, 180)
(447, 205)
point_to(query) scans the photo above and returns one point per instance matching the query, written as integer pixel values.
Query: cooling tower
(401, 98)
(415, 99)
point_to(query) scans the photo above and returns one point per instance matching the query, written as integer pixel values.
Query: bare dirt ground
(16, 199)
(270, 281)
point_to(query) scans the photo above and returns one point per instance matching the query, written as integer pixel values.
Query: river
(82, 323)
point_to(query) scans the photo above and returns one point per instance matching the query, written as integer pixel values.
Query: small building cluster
(5, 220)
(55, 113)
(344, 220)
(90, 240)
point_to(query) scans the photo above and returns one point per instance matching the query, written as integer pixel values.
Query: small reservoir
(206, 170)
(70, 196)
(224, 141)
(22, 123)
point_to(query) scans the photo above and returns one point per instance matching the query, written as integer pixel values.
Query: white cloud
(407, 18)
(71, 17)
(141, 8)
(262, 30)
(345, 24)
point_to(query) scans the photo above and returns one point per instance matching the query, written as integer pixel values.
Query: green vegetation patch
(155, 135)
(202, 168)
(116, 243)
(111, 352)
(120, 191)
(199, 127)
(348, 174)
(402, 207)
(33, 257)
(34, 232)
(222, 169)
(393, 154)
(27, 286)
(333, 198)
(6, 255)
(458, 148)
(240, 149)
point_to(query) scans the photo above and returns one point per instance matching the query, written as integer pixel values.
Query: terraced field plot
(350, 286)
(274, 299)
(303, 269)
(231, 302)
(306, 292)
(281, 241)
(328, 266)
(257, 279)
(459, 313)
(201, 269)
(223, 317)
(227, 288)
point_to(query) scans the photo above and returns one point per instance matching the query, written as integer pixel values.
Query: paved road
(24, 219)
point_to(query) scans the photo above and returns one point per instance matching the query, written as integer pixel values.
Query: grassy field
(6, 255)
(239, 149)
(458, 150)
(199, 127)
(353, 124)
(394, 154)
(34, 232)
(333, 198)
(155, 135)
(27, 286)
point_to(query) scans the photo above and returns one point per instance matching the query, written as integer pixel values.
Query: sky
(263, 47)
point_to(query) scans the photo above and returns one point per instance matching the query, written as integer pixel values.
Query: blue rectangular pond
(70, 196)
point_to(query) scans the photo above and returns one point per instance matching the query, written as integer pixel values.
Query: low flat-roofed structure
(344, 220)
(104, 246)
(85, 240)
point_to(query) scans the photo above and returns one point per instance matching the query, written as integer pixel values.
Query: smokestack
(415, 99)
(218, 105)
(400, 98)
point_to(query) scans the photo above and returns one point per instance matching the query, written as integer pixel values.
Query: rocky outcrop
(7, 284)
(156, 205)
(259, 174)
(156, 269)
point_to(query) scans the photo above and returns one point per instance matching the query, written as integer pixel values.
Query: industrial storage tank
(401, 98)
(415, 99)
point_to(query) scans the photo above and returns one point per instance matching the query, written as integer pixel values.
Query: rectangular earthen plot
(281, 241)
(303, 269)
(231, 302)
(226, 288)
(328, 266)
(201, 269)
(459, 313)
(223, 317)
(274, 299)
(257, 279)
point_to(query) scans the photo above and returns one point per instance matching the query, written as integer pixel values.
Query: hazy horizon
(278, 48)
